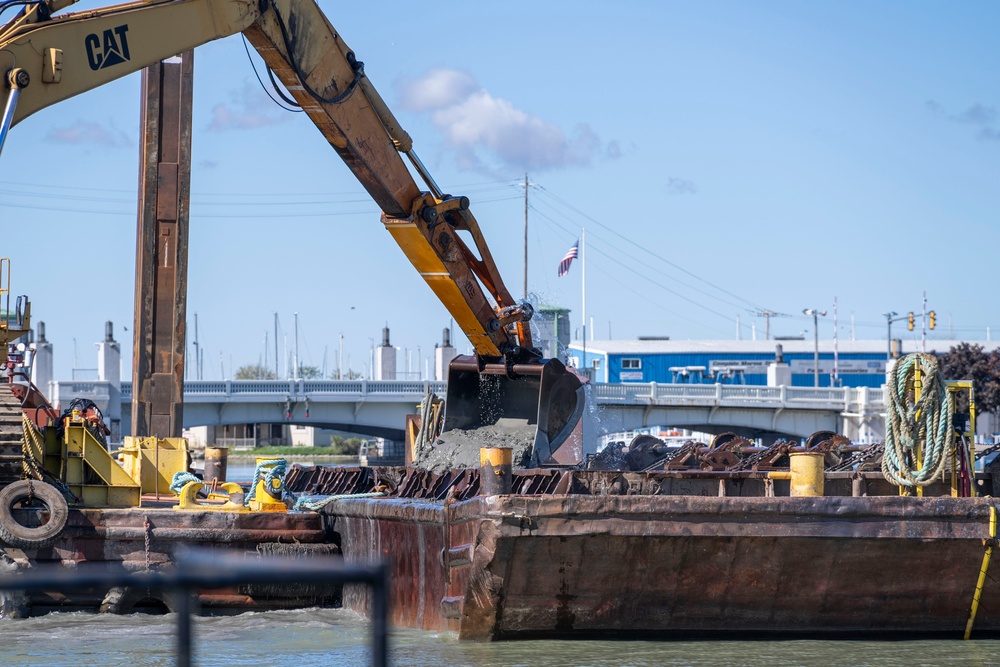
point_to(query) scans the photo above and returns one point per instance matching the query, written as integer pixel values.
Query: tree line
(969, 361)
(259, 372)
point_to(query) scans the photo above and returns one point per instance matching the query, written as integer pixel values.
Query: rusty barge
(149, 539)
(665, 554)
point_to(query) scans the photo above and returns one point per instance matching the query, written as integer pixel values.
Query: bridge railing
(201, 390)
(710, 395)
(630, 393)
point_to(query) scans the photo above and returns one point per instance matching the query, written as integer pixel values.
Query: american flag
(568, 259)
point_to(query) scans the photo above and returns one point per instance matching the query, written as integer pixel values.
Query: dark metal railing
(204, 569)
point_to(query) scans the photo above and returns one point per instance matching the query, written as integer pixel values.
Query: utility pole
(340, 359)
(767, 315)
(923, 325)
(277, 366)
(815, 315)
(295, 371)
(197, 349)
(890, 317)
(835, 380)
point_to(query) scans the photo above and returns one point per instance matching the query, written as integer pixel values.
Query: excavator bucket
(543, 402)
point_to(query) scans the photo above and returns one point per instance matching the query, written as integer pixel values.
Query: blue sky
(724, 157)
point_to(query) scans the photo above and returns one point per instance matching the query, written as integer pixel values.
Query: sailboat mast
(525, 236)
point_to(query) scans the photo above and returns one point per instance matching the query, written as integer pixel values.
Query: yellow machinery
(83, 463)
(153, 462)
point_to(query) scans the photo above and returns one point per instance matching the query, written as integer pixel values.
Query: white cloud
(249, 109)
(484, 129)
(437, 89)
(87, 132)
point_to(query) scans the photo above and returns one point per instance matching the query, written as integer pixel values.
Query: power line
(647, 250)
(631, 258)
(644, 276)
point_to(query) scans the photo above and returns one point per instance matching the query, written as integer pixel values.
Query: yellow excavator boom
(46, 58)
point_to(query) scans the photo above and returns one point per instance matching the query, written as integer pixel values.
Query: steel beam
(162, 248)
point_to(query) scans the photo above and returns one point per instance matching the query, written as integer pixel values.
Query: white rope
(918, 434)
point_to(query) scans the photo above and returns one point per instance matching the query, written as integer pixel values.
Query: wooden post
(161, 249)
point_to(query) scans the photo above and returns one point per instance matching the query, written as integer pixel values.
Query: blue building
(858, 363)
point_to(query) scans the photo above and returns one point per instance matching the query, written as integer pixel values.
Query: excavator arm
(51, 58)
(47, 58)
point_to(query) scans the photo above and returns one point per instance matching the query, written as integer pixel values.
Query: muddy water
(335, 638)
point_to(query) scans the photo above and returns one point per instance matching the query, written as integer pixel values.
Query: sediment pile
(460, 448)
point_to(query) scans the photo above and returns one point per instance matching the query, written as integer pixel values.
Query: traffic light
(933, 318)
(910, 323)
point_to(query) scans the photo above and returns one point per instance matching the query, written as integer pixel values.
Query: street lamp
(888, 337)
(815, 315)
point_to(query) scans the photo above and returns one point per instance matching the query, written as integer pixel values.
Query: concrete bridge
(378, 408)
(751, 411)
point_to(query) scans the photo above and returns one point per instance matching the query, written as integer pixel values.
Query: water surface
(337, 637)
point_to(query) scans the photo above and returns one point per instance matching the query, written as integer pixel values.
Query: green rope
(271, 469)
(180, 480)
(907, 432)
(316, 503)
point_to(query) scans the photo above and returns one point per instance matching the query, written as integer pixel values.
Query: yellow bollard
(495, 471)
(806, 474)
(188, 499)
(265, 499)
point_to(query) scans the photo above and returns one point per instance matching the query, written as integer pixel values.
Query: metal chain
(986, 452)
(147, 533)
(753, 460)
(688, 447)
(857, 458)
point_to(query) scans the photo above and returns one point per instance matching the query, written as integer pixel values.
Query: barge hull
(149, 538)
(577, 566)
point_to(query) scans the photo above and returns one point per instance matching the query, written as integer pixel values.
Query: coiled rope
(918, 434)
(180, 480)
(271, 469)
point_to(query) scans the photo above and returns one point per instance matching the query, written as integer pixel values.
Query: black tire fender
(124, 599)
(25, 537)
